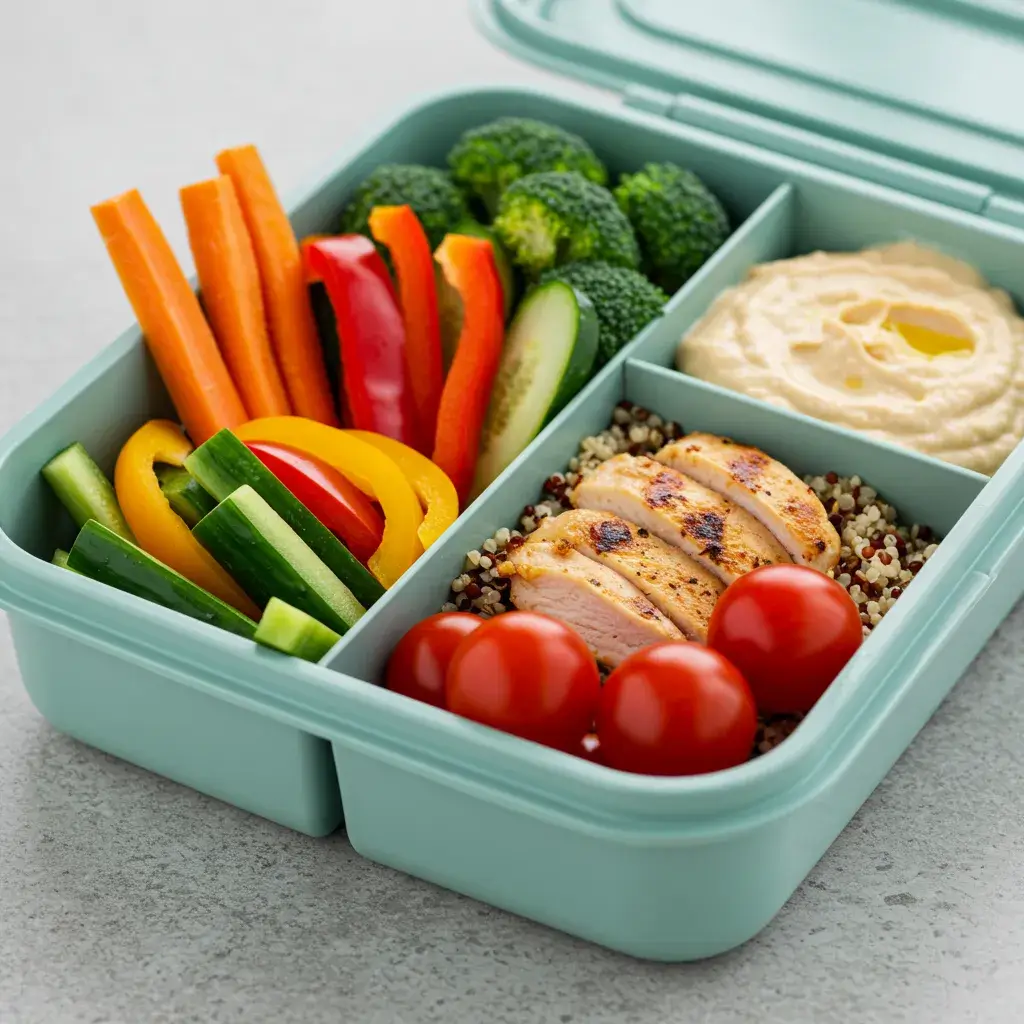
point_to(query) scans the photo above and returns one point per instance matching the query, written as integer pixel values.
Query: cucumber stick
(184, 494)
(548, 356)
(223, 464)
(269, 559)
(60, 558)
(84, 490)
(290, 631)
(102, 555)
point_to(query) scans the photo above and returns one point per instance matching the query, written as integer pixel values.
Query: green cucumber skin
(495, 453)
(291, 631)
(107, 558)
(223, 464)
(580, 366)
(84, 490)
(183, 493)
(246, 536)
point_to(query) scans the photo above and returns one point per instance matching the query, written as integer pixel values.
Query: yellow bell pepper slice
(373, 472)
(432, 486)
(157, 527)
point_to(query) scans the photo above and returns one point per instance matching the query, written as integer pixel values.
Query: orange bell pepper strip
(468, 264)
(434, 490)
(398, 228)
(373, 472)
(156, 526)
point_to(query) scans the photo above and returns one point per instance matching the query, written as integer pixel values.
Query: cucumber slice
(184, 494)
(548, 356)
(269, 559)
(60, 558)
(223, 464)
(290, 631)
(107, 558)
(84, 491)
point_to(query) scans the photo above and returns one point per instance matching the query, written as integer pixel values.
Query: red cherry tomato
(529, 675)
(419, 662)
(789, 629)
(338, 504)
(675, 709)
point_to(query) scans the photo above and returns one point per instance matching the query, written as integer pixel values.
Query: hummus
(901, 343)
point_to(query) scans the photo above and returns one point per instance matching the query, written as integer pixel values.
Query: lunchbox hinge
(1005, 210)
(788, 140)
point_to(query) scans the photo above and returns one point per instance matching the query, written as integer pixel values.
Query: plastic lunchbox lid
(935, 84)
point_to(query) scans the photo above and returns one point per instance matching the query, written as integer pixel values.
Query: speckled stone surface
(125, 898)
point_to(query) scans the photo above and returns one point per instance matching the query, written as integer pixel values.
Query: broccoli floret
(625, 301)
(486, 160)
(431, 193)
(545, 220)
(678, 222)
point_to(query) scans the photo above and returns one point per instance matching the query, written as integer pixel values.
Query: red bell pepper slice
(377, 389)
(468, 263)
(398, 228)
(336, 502)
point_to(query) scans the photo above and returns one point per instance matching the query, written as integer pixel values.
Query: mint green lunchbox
(821, 125)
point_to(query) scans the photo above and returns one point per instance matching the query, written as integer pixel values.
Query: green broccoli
(486, 160)
(557, 217)
(432, 194)
(625, 301)
(678, 222)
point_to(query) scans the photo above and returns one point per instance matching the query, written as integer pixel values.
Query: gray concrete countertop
(126, 898)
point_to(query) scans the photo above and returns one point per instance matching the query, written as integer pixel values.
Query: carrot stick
(177, 334)
(229, 281)
(292, 327)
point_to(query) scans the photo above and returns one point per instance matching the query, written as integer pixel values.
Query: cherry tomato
(789, 629)
(529, 675)
(675, 709)
(419, 662)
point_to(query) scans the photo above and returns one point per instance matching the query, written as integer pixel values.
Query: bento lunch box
(661, 868)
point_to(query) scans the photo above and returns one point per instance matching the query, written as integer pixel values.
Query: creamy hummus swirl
(838, 336)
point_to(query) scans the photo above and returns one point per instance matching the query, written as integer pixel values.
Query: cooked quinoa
(878, 559)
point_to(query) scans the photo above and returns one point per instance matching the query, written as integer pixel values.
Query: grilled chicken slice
(611, 615)
(727, 540)
(765, 488)
(673, 582)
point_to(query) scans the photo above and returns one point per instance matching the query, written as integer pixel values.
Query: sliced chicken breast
(611, 615)
(765, 488)
(674, 583)
(727, 540)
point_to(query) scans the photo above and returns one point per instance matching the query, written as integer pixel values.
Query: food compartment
(865, 373)
(665, 868)
(89, 654)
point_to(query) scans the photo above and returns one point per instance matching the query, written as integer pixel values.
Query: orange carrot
(292, 327)
(229, 281)
(178, 336)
